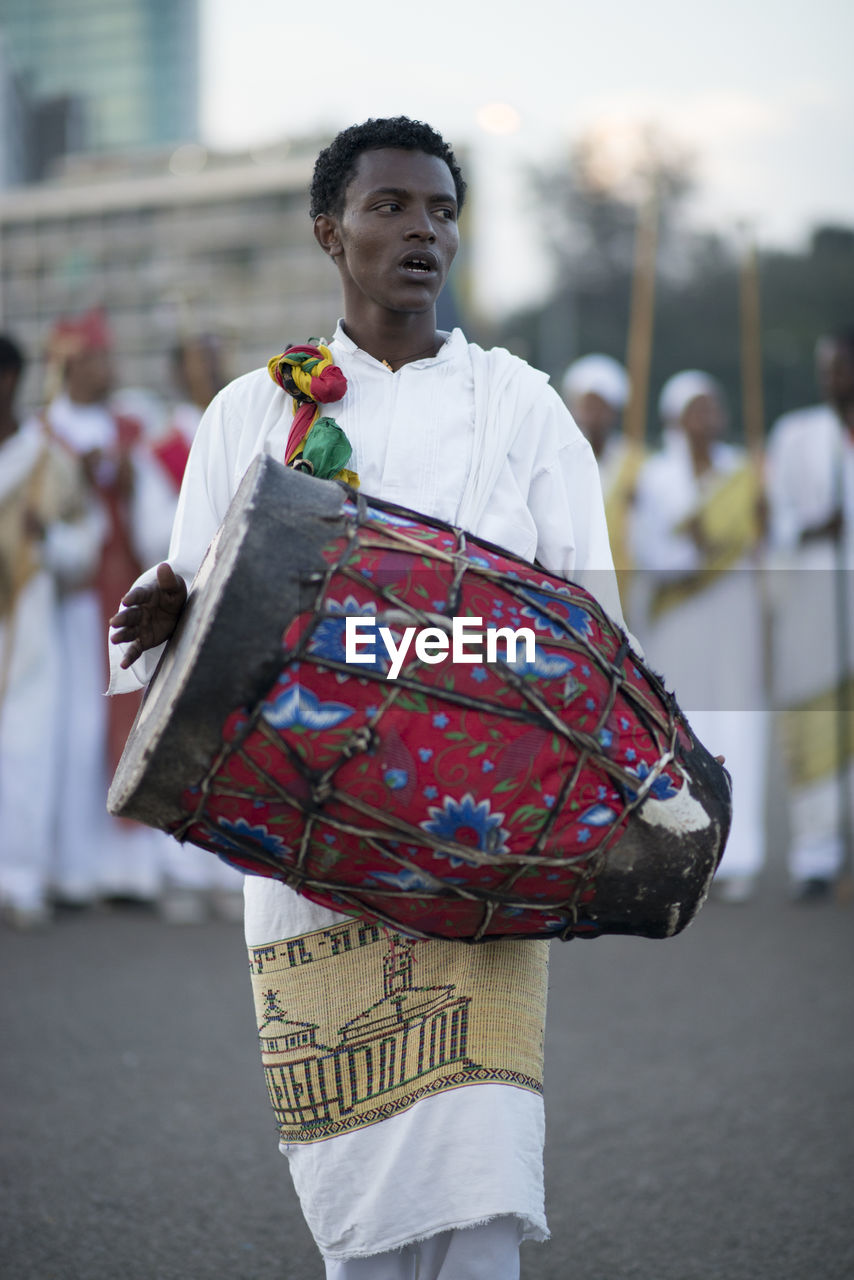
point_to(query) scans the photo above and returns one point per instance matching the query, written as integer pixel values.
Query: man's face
(596, 418)
(835, 371)
(201, 370)
(704, 419)
(397, 235)
(89, 376)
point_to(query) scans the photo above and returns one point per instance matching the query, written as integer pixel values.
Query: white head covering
(678, 392)
(601, 374)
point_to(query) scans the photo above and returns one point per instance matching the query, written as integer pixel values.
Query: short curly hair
(336, 164)
(11, 355)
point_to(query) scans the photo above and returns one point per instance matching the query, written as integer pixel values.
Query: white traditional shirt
(478, 439)
(708, 646)
(810, 477)
(810, 466)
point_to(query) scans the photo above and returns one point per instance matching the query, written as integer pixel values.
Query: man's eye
(448, 214)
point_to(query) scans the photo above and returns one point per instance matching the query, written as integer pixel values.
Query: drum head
(258, 567)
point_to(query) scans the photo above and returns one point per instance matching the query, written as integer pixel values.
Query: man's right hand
(149, 614)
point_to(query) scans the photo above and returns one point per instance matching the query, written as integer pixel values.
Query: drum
(406, 723)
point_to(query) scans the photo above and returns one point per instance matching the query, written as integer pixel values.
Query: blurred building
(13, 123)
(168, 244)
(100, 76)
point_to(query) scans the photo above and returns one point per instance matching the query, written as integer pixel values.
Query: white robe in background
(810, 475)
(479, 439)
(32, 667)
(95, 854)
(185, 417)
(708, 647)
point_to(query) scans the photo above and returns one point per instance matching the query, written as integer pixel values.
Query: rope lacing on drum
(376, 827)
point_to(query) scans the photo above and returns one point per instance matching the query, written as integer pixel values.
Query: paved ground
(699, 1096)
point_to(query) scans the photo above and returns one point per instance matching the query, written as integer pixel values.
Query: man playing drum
(427, 1163)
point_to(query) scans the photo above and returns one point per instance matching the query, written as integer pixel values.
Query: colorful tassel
(316, 444)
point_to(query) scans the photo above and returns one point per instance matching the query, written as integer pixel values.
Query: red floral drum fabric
(459, 800)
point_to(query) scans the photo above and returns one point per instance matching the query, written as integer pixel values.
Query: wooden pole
(753, 420)
(641, 318)
(752, 402)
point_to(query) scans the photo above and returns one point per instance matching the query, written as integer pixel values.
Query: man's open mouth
(420, 263)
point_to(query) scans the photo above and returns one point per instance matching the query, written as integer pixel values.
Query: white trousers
(489, 1252)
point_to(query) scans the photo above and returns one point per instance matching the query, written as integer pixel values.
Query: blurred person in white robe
(595, 389)
(198, 374)
(97, 856)
(195, 886)
(810, 465)
(695, 533)
(49, 535)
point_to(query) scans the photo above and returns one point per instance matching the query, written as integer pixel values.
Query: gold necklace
(427, 354)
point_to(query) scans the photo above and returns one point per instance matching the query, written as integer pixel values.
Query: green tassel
(327, 448)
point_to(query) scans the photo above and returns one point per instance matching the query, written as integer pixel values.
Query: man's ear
(326, 234)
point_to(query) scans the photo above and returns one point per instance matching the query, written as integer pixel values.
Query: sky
(760, 91)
